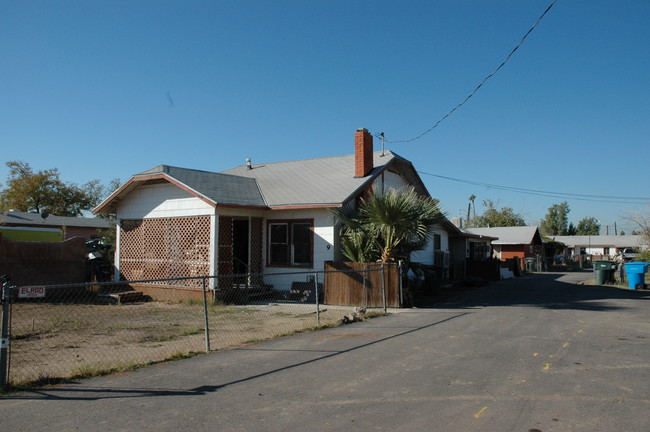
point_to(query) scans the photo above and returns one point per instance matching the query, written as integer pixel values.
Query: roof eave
(109, 205)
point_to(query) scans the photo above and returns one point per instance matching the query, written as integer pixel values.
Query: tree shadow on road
(544, 290)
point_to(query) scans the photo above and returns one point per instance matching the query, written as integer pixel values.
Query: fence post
(399, 275)
(205, 317)
(317, 300)
(4, 332)
(383, 287)
(365, 287)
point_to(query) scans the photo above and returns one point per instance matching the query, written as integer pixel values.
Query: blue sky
(107, 89)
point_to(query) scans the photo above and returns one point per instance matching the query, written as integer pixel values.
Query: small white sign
(31, 292)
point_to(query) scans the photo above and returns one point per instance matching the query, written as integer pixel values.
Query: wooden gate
(359, 284)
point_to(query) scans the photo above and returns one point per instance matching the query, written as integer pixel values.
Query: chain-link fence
(55, 332)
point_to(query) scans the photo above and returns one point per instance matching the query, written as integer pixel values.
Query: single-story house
(514, 242)
(600, 245)
(27, 226)
(266, 218)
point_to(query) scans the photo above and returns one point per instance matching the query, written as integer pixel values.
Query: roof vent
(248, 163)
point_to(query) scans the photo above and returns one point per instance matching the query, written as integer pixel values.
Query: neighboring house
(454, 253)
(521, 242)
(256, 218)
(25, 226)
(600, 245)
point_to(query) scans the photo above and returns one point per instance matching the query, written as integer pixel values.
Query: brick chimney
(362, 153)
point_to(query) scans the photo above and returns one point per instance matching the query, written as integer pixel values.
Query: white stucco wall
(323, 235)
(323, 247)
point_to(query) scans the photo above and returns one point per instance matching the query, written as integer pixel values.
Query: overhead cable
(477, 87)
(564, 195)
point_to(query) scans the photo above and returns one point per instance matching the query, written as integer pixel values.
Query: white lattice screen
(165, 248)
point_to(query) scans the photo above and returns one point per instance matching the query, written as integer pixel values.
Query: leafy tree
(45, 191)
(556, 221)
(398, 221)
(494, 217)
(588, 226)
(642, 221)
(571, 230)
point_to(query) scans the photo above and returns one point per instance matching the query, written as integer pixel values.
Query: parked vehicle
(630, 254)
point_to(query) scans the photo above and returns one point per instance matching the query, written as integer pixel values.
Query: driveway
(537, 353)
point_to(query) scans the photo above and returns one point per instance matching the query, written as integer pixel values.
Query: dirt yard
(72, 340)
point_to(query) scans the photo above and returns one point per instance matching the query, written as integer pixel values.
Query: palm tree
(399, 220)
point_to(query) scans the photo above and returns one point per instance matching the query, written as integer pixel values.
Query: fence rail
(53, 332)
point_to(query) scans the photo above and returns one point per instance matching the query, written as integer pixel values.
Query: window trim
(289, 223)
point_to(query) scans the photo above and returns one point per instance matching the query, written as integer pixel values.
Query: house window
(437, 242)
(290, 243)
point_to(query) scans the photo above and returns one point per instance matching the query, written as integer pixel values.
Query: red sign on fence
(31, 292)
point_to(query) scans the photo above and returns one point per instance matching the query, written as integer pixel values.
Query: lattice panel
(256, 248)
(165, 248)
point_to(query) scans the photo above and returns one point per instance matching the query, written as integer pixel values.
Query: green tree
(399, 221)
(641, 220)
(497, 217)
(44, 190)
(588, 226)
(571, 230)
(556, 221)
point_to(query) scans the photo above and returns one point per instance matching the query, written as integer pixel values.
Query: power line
(477, 87)
(563, 195)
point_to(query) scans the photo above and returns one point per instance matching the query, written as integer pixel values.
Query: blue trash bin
(636, 274)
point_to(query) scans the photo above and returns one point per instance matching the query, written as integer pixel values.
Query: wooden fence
(360, 284)
(41, 263)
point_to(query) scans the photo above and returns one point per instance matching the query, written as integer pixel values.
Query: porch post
(214, 248)
(118, 247)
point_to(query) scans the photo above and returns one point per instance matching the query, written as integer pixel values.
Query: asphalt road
(537, 353)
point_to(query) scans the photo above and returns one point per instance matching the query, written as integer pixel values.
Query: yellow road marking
(535, 354)
(566, 345)
(478, 414)
(547, 366)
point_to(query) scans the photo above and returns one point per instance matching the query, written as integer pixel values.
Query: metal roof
(620, 241)
(508, 235)
(19, 218)
(321, 182)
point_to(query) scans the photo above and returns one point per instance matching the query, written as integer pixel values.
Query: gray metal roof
(620, 241)
(219, 188)
(19, 218)
(321, 182)
(327, 181)
(508, 235)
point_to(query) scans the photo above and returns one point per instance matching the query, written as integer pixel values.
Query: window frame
(290, 244)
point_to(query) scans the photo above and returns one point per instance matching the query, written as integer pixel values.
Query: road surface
(537, 353)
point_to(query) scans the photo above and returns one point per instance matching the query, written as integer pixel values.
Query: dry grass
(51, 342)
